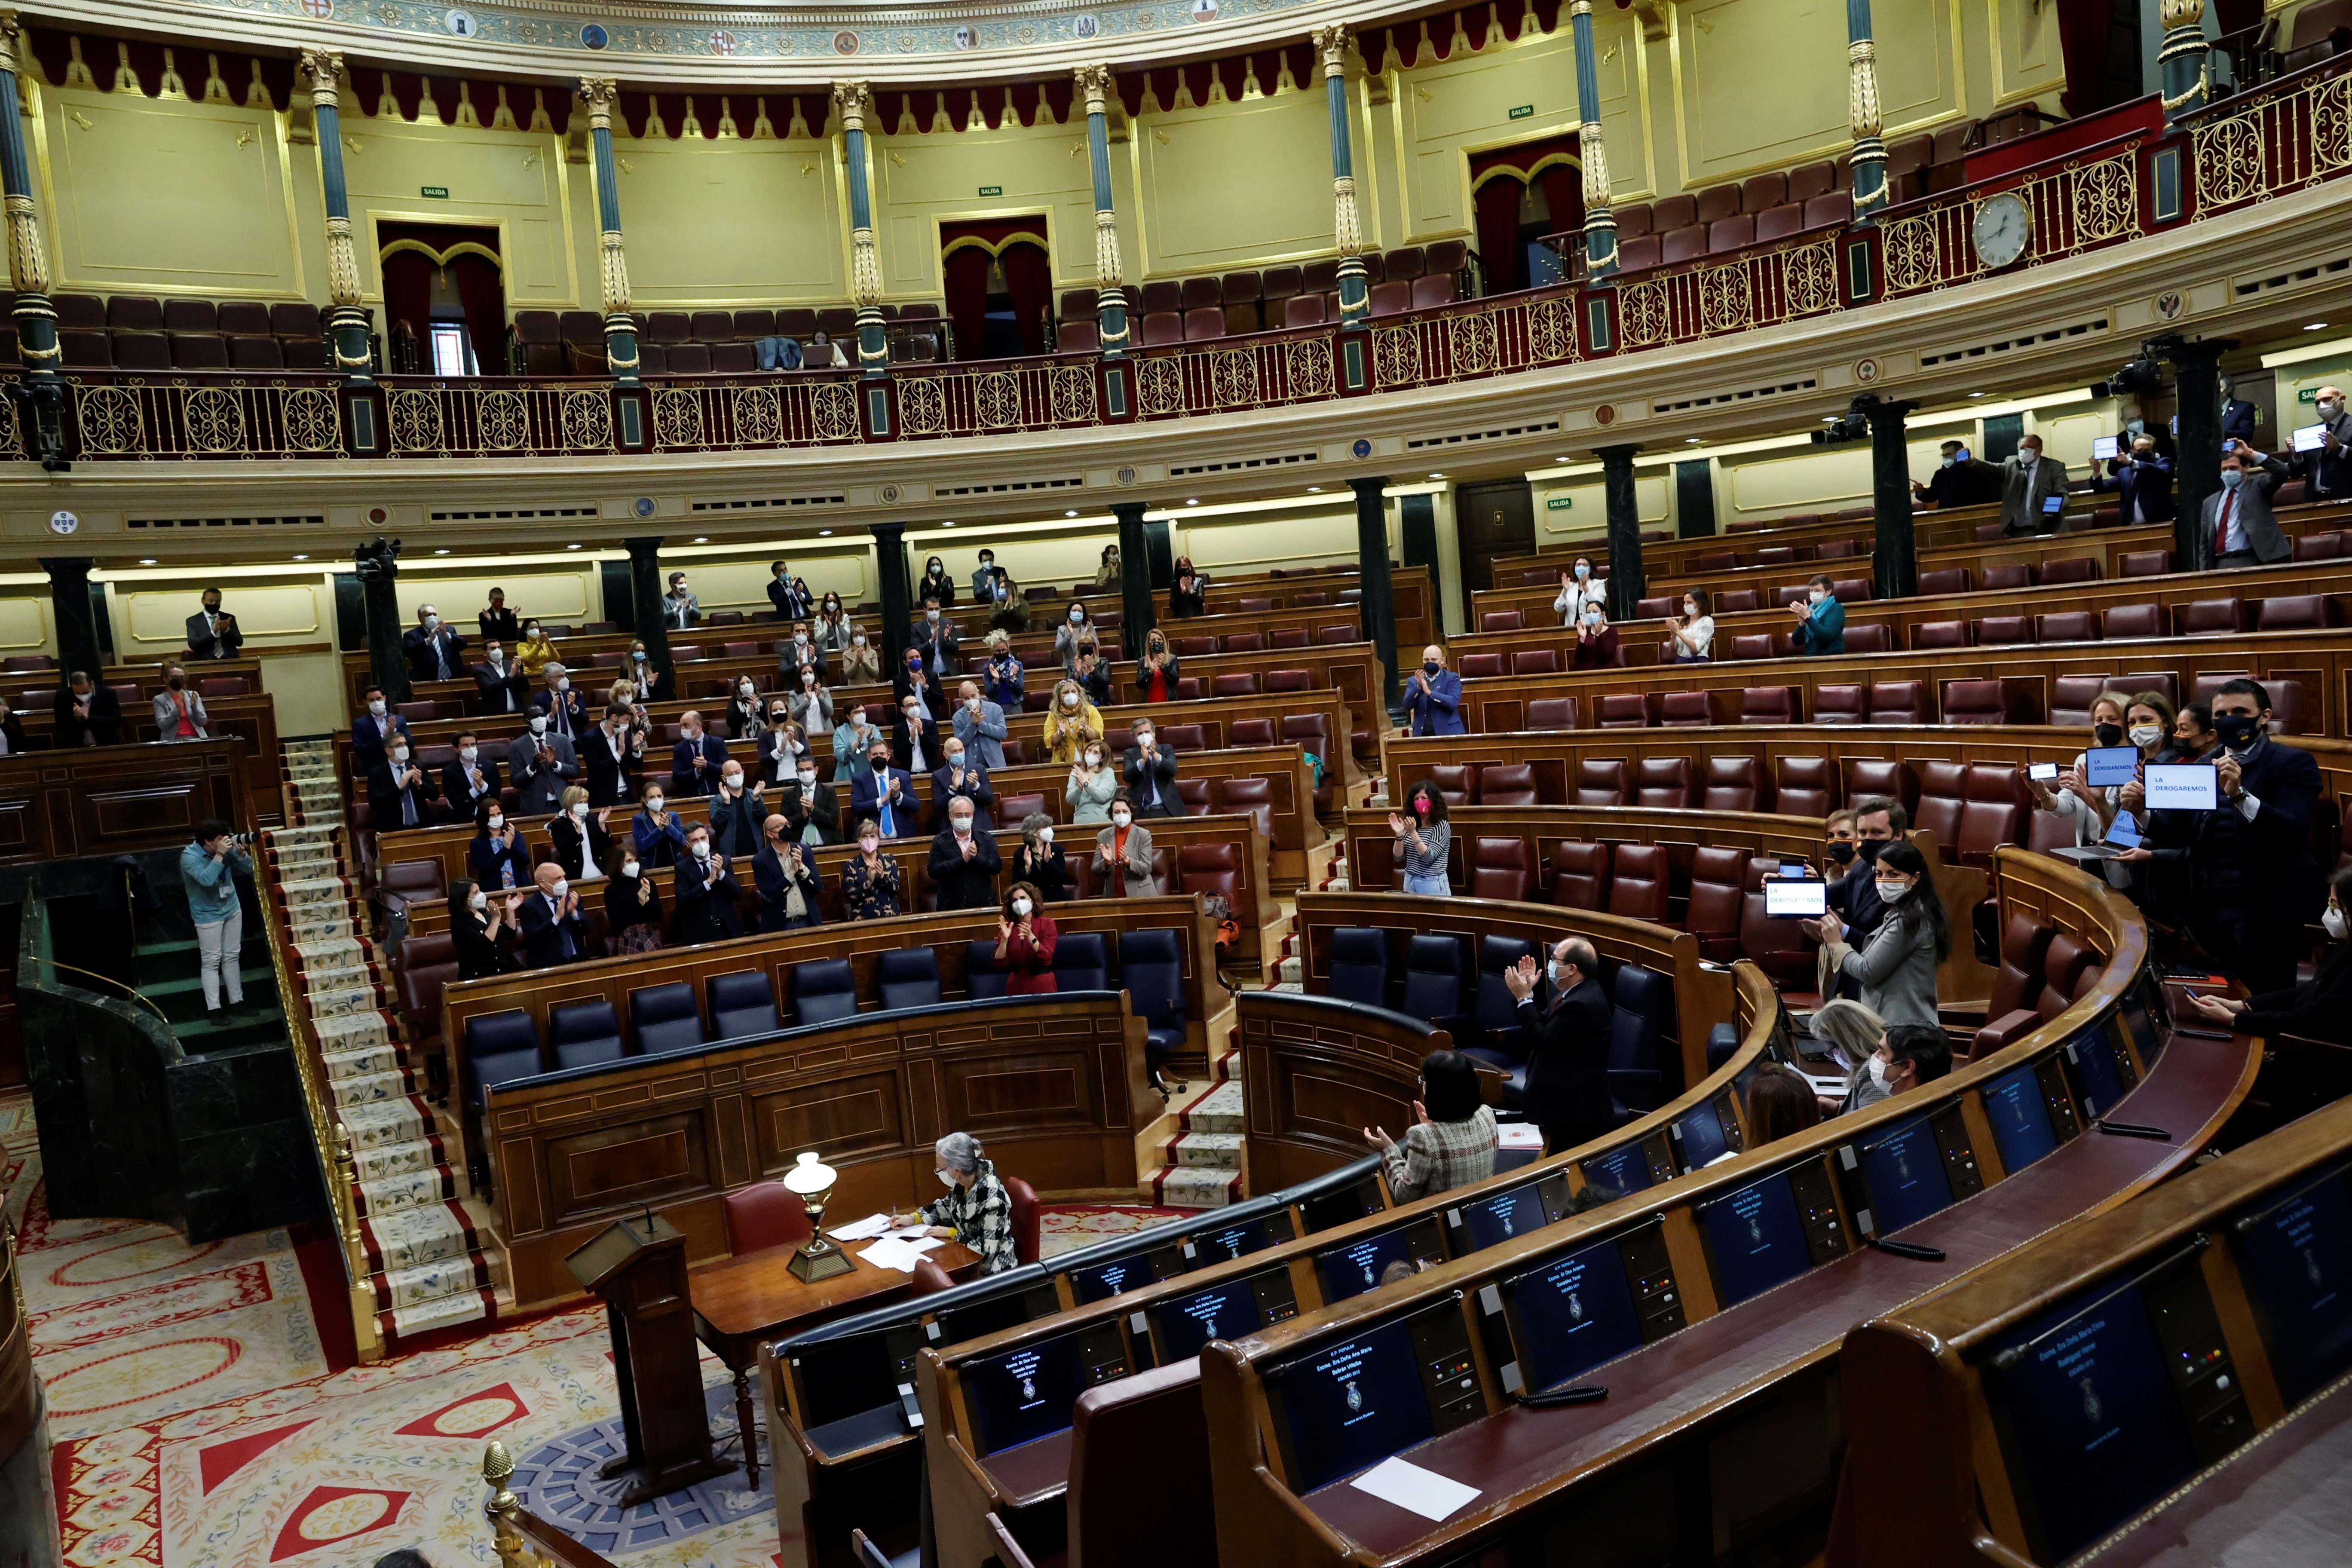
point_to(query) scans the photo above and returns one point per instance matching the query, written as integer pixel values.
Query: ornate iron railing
(2280, 138)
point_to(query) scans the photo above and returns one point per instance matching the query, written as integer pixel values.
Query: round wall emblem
(722, 42)
(318, 10)
(844, 43)
(891, 494)
(594, 36)
(1605, 414)
(965, 38)
(460, 22)
(1126, 475)
(1205, 10)
(2169, 304)
(1085, 26)
(1867, 370)
(378, 516)
(643, 506)
(1362, 448)
(63, 523)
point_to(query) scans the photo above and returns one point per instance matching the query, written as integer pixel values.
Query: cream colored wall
(922, 179)
(740, 581)
(28, 624)
(1588, 516)
(719, 223)
(513, 180)
(1258, 542)
(564, 596)
(1235, 185)
(148, 610)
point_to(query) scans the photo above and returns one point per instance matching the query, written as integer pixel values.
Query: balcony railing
(2282, 137)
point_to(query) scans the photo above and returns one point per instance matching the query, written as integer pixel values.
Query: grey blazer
(1140, 882)
(538, 791)
(984, 735)
(2022, 495)
(2253, 513)
(1897, 971)
(167, 715)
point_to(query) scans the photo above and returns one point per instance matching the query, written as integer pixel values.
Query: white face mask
(431, 622)
(562, 886)
(801, 638)
(1094, 759)
(857, 639)
(531, 632)
(1142, 740)
(1021, 909)
(1045, 838)
(945, 1179)
(2144, 735)
(2027, 457)
(497, 657)
(731, 780)
(1893, 892)
(400, 754)
(628, 868)
(478, 900)
(808, 778)
(498, 824)
(1582, 572)
(563, 683)
(375, 706)
(1817, 595)
(467, 754)
(962, 826)
(1078, 618)
(746, 688)
(869, 844)
(1689, 609)
(1069, 699)
(1555, 973)
(932, 617)
(808, 679)
(539, 724)
(580, 812)
(972, 704)
(2333, 923)
(1121, 818)
(702, 847)
(653, 804)
(1878, 1071)
(1950, 458)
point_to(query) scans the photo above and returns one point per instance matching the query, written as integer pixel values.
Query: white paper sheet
(1408, 1486)
(866, 1229)
(919, 1241)
(892, 1253)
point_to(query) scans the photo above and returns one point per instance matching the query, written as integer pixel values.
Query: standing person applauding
(1423, 841)
(1025, 939)
(1433, 695)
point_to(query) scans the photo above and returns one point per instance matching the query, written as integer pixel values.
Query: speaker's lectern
(637, 1268)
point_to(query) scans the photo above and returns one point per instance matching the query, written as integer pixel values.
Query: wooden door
(1492, 519)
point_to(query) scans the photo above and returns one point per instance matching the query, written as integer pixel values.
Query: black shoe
(217, 1017)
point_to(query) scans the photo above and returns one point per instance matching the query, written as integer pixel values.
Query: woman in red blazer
(1025, 942)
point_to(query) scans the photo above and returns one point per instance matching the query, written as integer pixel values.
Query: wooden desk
(741, 1301)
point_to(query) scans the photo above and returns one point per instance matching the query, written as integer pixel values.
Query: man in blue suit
(2143, 476)
(1433, 697)
(375, 725)
(886, 795)
(2252, 886)
(695, 761)
(1821, 619)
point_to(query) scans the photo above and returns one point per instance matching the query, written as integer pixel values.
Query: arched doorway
(449, 274)
(999, 278)
(1520, 193)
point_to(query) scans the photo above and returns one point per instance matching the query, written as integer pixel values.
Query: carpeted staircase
(1201, 1165)
(429, 1267)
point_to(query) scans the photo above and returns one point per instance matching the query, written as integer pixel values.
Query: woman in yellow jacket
(534, 651)
(1071, 722)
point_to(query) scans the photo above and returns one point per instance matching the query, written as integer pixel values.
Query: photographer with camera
(208, 869)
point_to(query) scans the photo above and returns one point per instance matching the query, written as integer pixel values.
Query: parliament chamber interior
(1010, 786)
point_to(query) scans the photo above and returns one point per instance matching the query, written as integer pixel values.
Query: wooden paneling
(112, 800)
(252, 719)
(1052, 1086)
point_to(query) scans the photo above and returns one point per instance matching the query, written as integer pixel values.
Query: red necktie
(2222, 524)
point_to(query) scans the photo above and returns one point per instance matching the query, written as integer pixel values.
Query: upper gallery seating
(711, 343)
(1189, 310)
(140, 333)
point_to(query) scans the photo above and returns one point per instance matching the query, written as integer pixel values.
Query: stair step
(448, 1312)
(403, 1192)
(404, 1238)
(1186, 1187)
(383, 1123)
(1222, 1109)
(1209, 1151)
(422, 1285)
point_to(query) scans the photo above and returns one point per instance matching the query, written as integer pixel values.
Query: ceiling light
(1979, 395)
(946, 525)
(150, 560)
(1437, 476)
(570, 547)
(1070, 513)
(702, 539)
(1314, 489)
(1690, 440)
(2316, 326)
(824, 533)
(442, 552)
(301, 558)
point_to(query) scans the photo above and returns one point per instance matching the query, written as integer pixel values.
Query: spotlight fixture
(150, 560)
(702, 539)
(824, 533)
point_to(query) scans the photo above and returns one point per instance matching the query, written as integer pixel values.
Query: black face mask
(1842, 853)
(2236, 729)
(2107, 734)
(1868, 849)
(1429, 666)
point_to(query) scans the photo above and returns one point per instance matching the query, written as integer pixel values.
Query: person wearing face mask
(211, 631)
(373, 727)
(886, 793)
(566, 710)
(483, 930)
(85, 713)
(1910, 1055)
(1075, 624)
(1567, 1039)
(853, 739)
(1579, 589)
(977, 1210)
(497, 858)
(2148, 725)
(1188, 592)
(1596, 641)
(737, 813)
(541, 763)
(650, 681)
(208, 867)
(1088, 670)
(1037, 859)
(655, 832)
(180, 709)
(1837, 844)
(1433, 697)
(498, 623)
(399, 793)
(1693, 632)
(1898, 970)
(1852, 1032)
(1821, 619)
(633, 905)
(809, 806)
(1148, 774)
(2143, 475)
(696, 759)
(1008, 605)
(809, 702)
(964, 861)
(960, 776)
(869, 883)
(798, 653)
(1962, 480)
(554, 931)
(1123, 861)
(861, 665)
(2317, 1009)
(1107, 570)
(610, 755)
(2328, 470)
(1453, 1138)
(784, 872)
(681, 606)
(705, 893)
(1090, 787)
(916, 680)
(2242, 874)
(432, 648)
(984, 577)
(1025, 939)
(535, 652)
(1071, 722)
(1879, 821)
(2068, 796)
(914, 739)
(2239, 527)
(469, 779)
(784, 595)
(583, 836)
(936, 584)
(1156, 673)
(747, 711)
(2030, 481)
(1423, 841)
(979, 723)
(833, 628)
(499, 682)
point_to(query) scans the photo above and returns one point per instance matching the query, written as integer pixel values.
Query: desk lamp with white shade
(818, 1258)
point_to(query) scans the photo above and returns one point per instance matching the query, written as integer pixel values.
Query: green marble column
(1592, 154)
(1869, 157)
(850, 100)
(1355, 291)
(599, 93)
(36, 318)
(1110, 308)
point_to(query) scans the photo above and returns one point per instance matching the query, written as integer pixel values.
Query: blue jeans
(1434, 887)
(778, 353)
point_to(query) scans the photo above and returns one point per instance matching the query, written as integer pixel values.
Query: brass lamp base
(819, 1258)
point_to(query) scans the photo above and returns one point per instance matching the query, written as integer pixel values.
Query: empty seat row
(2041, 972)
(2200, 618)
(1253, 301)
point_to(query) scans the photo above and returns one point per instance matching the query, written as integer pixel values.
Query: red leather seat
(2144, 563)
(1552, 713)
(2067, 626)
(1869, 637)
(1250, 733)
(1776, 555)
(1733, 601)
(2296, 612)
(1623, 710)
(1600, 781)
(1243, 642)
(1637, 881)
(1290, 636)
(1024, 1219)
(1850, 590)
(1242, 683)
(2208, 617)
(1973, 702)
(1214, 869)
(1736, 783)
(1755, 647)
(1662, 783)
(1804, 786)
(2071, 569)
(1712, 913)
(2062, 963)
(2319, 547)
(1841, 705)
(1289, 680)
(1939, 634)
(1192, 647)
(1899, 702)
(1770, 705)
(1995, 631)
(1580, 875)
(1502, 621)
(1866, 776)
(1535, 661)
(1778, 947)
(2007, 579)
(1193, 795)
(1994, 811)
(1183, 737)
(1507, 783)
(1481, 665)
(1949, 580)
(1501, 869)
(2133, 621)
(1683, 708)
(2071, 697)
(764, 1215)
(1943, 792)
(1453, 783)
(1254, 797)
(2011, 1013)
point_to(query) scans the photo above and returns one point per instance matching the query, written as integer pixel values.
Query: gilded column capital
(850, 100)
(1580, 8)
(599, 94)
(2181, 14)
(1331, 43)
(323, 70)
(1094, 86)
(12, 31)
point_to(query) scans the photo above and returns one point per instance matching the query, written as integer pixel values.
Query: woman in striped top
(1423, 839)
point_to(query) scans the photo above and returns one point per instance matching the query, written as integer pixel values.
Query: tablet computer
(2106, 448)
(2310, 437)
(2181, 786)
(2044, 772)
(2110, 767)
(1795, 900)
(2054, 505)
(2124, 831)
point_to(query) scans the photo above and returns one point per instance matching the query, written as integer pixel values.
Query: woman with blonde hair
(1071, 722)
(1856, 1032)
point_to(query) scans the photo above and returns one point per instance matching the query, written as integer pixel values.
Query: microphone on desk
(2133, 1129)
(1575, 1393)
(1911, 1249)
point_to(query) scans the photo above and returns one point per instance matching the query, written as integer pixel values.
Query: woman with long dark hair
(1423, 839)
(483, 930)
(1898, 970)
(1025, 938)
(1781, 1104)
(1451, 1141)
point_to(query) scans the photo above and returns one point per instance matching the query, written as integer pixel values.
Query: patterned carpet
(198, 1424)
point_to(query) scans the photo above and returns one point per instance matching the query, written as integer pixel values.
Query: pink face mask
(1421, 805)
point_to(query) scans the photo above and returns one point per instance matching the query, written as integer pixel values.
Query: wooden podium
(637, 1268)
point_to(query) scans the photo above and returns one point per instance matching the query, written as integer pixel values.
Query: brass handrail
(119, 985)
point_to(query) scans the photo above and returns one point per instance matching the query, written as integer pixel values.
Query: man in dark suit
(1148, 771)
(738, 815)
(914, 679)
(1963, 479)
(935, 639)
(695, 761)
(1568, 1085)
(211, 631)
(706, 891)
(964, 862)
(2328, 471)
(566, 710)
(504, 688)
(2143, 478)
(772, 873)
(398, 794)
(433, 648)
(788, 594)
(2252, 884)
(2030, 481)
(86, 713)
(610, 755)
(372, 728)
(499, 624)
(2239, 528)
(553, 930)
(884, 793)
(542, 766)
(469, 779)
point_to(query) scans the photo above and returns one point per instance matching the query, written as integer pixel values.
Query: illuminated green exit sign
(1559, 503)
(991, 189)
(438, 192)
(2308, 394)
(1524, 111)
